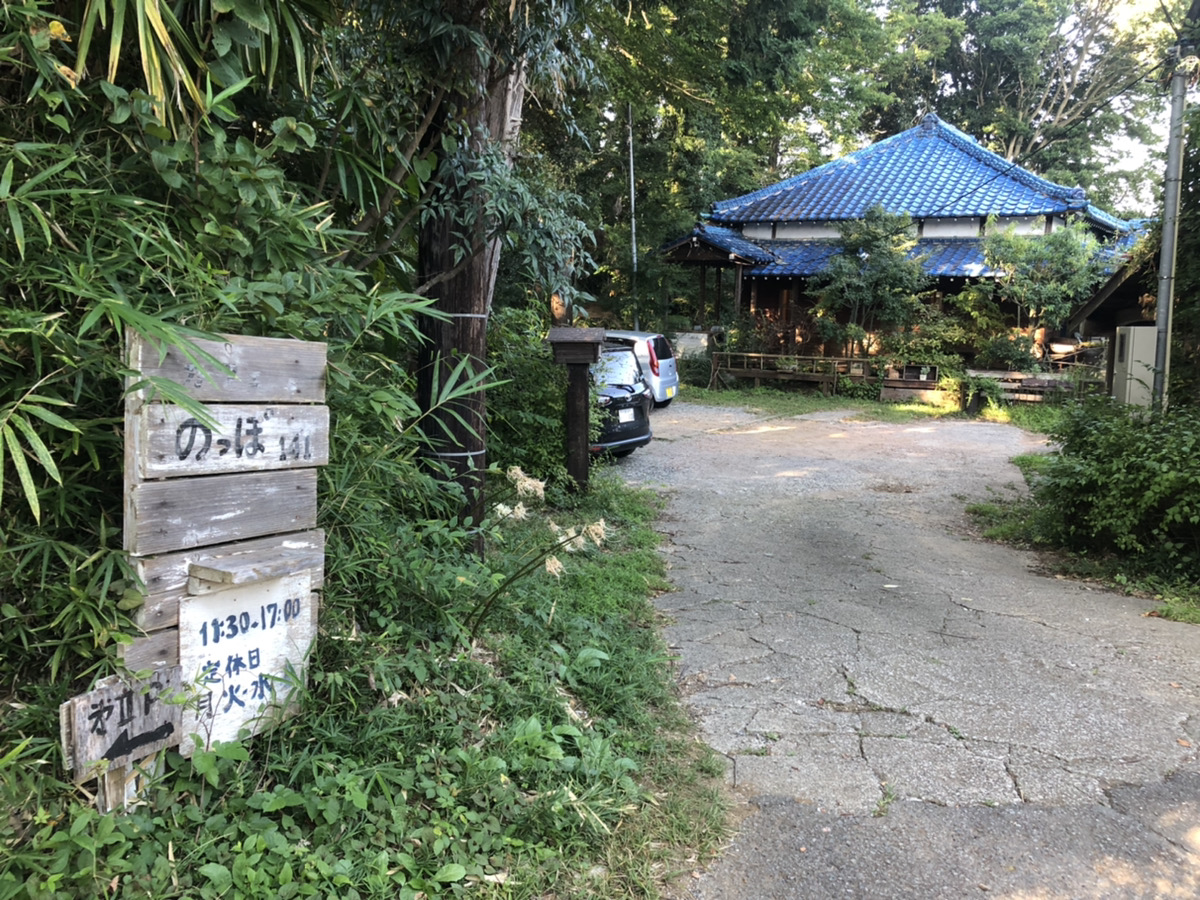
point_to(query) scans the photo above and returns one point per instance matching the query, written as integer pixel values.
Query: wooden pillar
(720, 284)
(577, 348)
(737, 292)
(703, 291)
(578, 457)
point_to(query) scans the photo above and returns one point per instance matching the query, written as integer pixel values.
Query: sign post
(220, 519)
(577, 349)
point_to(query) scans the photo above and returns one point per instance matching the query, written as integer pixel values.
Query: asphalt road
(908, 711)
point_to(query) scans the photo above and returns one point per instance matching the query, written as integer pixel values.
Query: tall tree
(1048, 83)
(1047, 276)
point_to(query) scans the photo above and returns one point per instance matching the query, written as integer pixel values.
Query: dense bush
(859, 390)
(1010, 353)
(527, 407)
(1126, 480)
(695, 369)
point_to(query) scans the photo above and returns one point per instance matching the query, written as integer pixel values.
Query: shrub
(1012, 353)
(695, 369)
(1126, 480)
(858, 390)
(528, 406)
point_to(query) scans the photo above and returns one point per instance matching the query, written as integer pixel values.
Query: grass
(775, 402)
(1017, 521)
(546, 756)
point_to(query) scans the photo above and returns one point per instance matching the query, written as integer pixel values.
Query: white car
(658, 361)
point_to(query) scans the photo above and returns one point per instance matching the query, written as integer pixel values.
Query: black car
(625, 401)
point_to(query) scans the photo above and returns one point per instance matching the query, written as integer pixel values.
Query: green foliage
(1185, 326)
(1125, 482)
(1048, 275)
(1009, 353)
(695, 369)
(858, 390)
(422, 765)
(755, 334)
(528, 404)
(873, 285)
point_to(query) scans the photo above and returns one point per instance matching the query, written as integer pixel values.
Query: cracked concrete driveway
(907, 711)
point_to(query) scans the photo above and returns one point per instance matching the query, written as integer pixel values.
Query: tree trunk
(463, 291)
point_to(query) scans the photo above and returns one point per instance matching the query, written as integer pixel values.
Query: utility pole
(637, 326)
(1182, 57)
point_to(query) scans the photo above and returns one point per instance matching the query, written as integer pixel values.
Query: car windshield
(616, 368)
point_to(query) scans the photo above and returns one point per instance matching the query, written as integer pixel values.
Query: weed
(885, 801)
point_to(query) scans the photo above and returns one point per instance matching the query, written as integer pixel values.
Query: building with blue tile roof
(953, 188)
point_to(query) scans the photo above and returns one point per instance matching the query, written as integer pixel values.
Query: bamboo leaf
(41, 176)
(18, 459)
(18, 228)
(6, 179)
(117, 36)
(50, 418)
(39, 448)
(42, 398)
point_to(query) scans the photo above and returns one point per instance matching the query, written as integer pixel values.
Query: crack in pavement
(873, 658)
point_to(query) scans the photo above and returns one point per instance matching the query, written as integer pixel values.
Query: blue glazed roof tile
(724, 239)
(947, 257)
(932, 170)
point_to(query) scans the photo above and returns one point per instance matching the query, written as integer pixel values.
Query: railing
(782, 365)
(821, 370)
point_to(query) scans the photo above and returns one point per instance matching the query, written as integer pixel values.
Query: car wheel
(664, 404)
(622, 453)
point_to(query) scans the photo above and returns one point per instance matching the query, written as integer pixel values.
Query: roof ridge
(963, 141)
(848, 181)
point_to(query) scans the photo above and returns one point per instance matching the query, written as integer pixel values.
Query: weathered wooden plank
(247, 568)
(243, 650)
(262, 370)
(172, 443)
(120, 720)
(182, 513)
(158, 649)
(165, 577)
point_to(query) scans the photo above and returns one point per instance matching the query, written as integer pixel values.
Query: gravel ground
(907, 711)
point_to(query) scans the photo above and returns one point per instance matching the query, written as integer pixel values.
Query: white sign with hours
(242, 651)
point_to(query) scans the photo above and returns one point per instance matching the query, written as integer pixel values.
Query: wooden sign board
(242, 651)
(260, 370)
(121, 720)
(181, 513)
(166, 576)
(172, 443)
(220, 516)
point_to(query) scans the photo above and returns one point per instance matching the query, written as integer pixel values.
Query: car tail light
(653, 359)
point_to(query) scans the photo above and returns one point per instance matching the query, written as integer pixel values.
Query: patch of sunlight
(763, 429)
(1192, 839)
